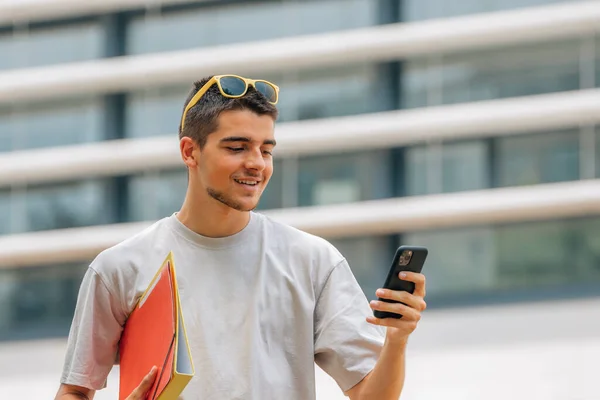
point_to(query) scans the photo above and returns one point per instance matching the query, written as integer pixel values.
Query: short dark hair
(202, 118)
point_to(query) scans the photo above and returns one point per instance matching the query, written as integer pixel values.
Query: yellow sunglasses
(234, 87)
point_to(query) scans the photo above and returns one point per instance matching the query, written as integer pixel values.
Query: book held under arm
(154, 335)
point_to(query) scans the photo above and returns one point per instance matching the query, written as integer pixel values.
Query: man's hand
(398, 330)
(139, 393)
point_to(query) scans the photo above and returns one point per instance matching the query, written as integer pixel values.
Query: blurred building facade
(491, 159)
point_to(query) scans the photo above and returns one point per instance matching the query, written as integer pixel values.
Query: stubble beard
(228, 201)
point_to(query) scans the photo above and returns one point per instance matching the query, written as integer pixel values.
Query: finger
(407, 312)
(418, 279)
(407, 326)
(409, 299)
(144, 386)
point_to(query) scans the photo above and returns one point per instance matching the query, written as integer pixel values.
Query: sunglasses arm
(197, 97)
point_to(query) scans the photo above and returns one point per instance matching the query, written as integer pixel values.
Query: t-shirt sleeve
(94, 336)
(346, 345)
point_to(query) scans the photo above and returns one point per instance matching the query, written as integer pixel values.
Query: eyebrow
(271, 142)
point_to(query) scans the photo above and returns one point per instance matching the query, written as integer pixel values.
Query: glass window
(459, 260)
(465, 166)
(55, 45)
(5, 211)
(333, 92)
(491, 74)
(549, 253)
(155, 112)
(219, 25)
(597, 61)
(419, 168)
(532, 254)
(588, 247)
(156, 194)
(51, 124)
(38, 302)
(597, 151)
(60, 205)
(511, 258)
(540, 158)
(448, 167)
(413, 10)
(344, 178)
(370, 259)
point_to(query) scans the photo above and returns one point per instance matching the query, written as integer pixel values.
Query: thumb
(140, 391)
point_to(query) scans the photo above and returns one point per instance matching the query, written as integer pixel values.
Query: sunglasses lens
(233, 86)
(267, 90)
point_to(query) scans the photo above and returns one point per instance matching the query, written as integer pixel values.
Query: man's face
(236, 163)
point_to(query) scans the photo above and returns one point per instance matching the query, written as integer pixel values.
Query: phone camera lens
(405, 257)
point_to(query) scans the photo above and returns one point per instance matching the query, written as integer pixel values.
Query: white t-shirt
(260, 308)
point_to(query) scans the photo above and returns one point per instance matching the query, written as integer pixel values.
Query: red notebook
(154, 335)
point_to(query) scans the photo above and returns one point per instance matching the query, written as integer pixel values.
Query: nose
(255, 160)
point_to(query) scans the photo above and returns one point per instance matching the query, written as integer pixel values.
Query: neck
(211, 218)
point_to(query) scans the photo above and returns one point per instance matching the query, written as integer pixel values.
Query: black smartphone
(407, 258)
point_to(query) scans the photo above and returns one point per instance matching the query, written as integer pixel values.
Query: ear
(188, 149)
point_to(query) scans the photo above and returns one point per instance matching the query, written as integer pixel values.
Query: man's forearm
(386, 380)
(73, 396)
(71, 392)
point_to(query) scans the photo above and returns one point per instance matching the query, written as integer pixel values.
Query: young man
(262, 301)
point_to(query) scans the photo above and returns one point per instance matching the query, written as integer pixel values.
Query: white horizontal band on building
(360, 132)
(17, 12)
(389, 216)
(374, 44)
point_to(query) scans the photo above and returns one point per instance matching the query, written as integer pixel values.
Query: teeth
(251, 183)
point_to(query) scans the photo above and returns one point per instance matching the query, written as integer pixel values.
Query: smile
(249, 183)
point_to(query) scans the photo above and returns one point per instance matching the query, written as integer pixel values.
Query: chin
(247, 205)
(244, 202)
(239, 203)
